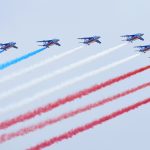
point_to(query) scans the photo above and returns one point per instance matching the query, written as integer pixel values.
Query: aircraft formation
(86, 40)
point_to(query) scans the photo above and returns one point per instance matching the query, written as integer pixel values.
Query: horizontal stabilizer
(141, 38)
(57, 44)
(98, 41)
(15, 47)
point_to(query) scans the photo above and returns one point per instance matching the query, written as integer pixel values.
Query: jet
(7, 46)
(131, 38)
(48, 43)
(143, 49)
(89, 40)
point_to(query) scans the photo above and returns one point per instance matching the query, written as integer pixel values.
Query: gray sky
(28, 21)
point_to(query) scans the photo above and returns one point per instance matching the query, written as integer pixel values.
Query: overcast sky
(25, 22)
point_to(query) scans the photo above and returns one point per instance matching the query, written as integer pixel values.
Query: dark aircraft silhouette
(89, 40)
(143, 49)
(131, 38)
(48, 43)
(7, 46)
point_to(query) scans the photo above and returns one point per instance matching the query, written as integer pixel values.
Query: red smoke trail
(23, 131)
(88, 126)
(69, 98)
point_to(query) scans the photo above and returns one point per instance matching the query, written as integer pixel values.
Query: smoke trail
(73, 132)
(32, 128)
(42, 63)
(63, 85)
(57, 72)
(16, 60)
(69, 98)
(1, 51)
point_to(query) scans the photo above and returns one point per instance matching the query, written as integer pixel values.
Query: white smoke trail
(58, 72)
(70, 82)
(42, 63)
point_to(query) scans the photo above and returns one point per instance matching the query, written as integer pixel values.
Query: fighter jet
(89, 40)
(7, 46)
(131, 38)
(143, 49)
(48, 43)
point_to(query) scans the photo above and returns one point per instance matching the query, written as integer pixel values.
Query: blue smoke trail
(14, 61)
(1, 51)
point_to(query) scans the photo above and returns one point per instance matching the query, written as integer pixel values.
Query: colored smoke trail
(32, 128)
(19, 59)
(80, 129)
(57, 72)
(42, 63)
(69, 98)
(1, 51)
(62, 85)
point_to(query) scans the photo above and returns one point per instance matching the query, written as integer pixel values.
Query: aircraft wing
(45, 41)
(41, 41)
(4, 44)
(128, 35)
(58, 44)
(15, 47)
(125, 36)
(98, 41)
(84, 38)
(141, 38)
(138, 46)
